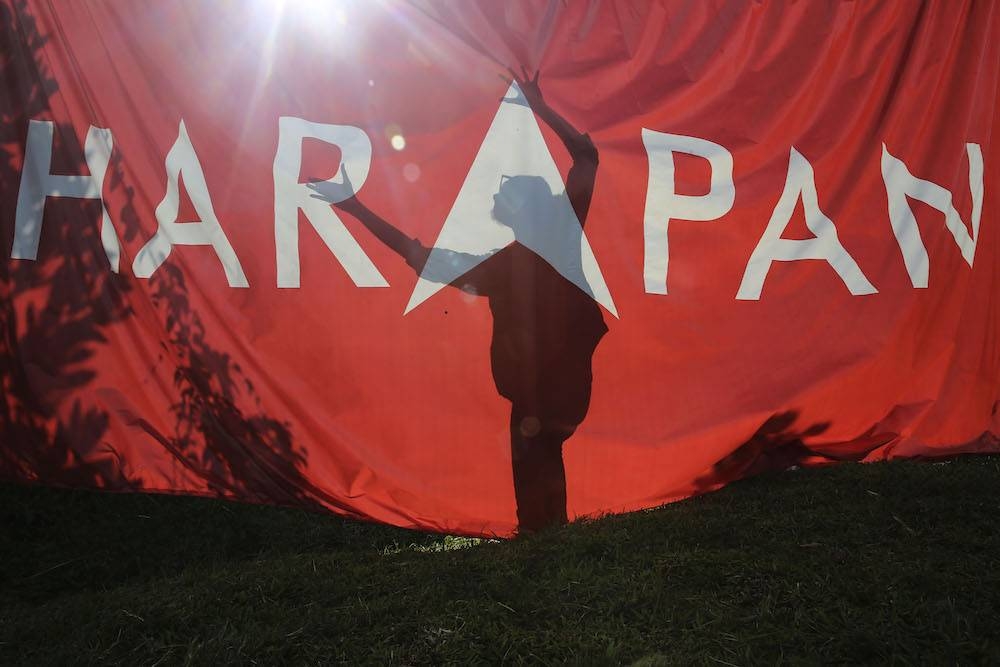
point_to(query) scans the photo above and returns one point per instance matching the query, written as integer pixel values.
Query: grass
(887, 563)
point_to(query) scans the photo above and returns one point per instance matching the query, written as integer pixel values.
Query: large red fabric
(462, 407)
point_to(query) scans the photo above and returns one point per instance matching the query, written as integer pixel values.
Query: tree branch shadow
(56, 313)
(55, 308)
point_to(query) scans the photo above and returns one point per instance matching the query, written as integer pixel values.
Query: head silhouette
(522, 202)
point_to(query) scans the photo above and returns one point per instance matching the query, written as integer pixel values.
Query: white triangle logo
(513, 146)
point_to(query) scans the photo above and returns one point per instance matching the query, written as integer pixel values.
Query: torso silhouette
(545, 330)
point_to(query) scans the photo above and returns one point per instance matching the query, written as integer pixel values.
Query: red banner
(482, 268)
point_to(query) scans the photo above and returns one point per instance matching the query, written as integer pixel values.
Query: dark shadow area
(57, 309)
(247, 455)
(545, 325)
(47, 339)
(778, 445)
(57, 541)
(848, 564)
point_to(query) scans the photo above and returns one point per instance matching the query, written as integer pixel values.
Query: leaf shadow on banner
(57, 311)
(250, 456)
(778, 445)
(46, 345)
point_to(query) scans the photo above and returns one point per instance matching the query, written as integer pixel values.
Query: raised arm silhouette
(545, 327)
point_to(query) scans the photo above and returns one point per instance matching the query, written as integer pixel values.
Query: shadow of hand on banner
(546, 326)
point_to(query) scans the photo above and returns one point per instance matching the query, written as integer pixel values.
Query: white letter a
(183, 159)
(800, 182)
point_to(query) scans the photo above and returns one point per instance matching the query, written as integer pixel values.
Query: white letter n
(900, 184)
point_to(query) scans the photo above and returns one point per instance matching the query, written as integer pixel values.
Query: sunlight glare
(318, 13)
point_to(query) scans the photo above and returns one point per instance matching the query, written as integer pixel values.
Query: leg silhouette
(539, 475)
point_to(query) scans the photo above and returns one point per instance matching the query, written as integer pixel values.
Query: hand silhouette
(529, 87)
(341, 195)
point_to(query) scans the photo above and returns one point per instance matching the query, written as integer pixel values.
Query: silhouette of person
(545, 327)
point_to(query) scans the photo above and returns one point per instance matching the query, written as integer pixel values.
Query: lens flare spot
(394, 133)
(411, 172)
(530, 426)
(468, 293)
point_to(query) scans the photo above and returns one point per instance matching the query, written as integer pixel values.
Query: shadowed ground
(851, 563)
